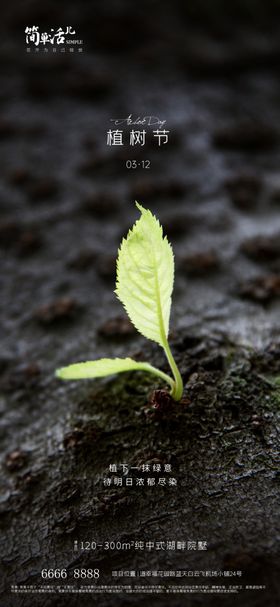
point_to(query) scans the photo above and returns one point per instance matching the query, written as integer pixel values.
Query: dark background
(212, 71)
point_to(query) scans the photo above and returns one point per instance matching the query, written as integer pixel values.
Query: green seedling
(145, 276)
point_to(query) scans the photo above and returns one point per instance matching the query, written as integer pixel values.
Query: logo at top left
(60, 40)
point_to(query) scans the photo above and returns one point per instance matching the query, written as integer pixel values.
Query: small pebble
(59, 310)
(244, 191)
(199, 263)
(106, 266)
(117, 327)
(23, 239)
(15, 460)
(29, 242)
(21, 377)
(19, 176)
(262, 248)
(84, 260)
(101, 205)
(261, 289)
(73, 439)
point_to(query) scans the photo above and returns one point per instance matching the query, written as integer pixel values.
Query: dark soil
(220, 440)
(66, 201)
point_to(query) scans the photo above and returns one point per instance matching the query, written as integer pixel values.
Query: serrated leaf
(107, 366)
(145, 276)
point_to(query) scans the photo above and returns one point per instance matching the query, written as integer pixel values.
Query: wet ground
(66, 200)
